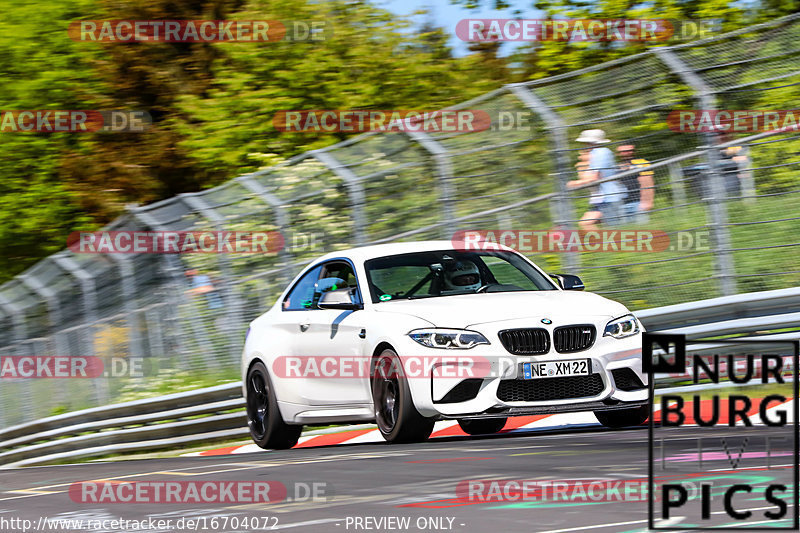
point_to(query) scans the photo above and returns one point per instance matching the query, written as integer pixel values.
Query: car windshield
(451, 272)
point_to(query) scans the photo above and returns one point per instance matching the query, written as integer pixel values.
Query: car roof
(363, 253)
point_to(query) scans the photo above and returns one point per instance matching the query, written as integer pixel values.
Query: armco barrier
(140, 425)
(710, 317)
(170, 421)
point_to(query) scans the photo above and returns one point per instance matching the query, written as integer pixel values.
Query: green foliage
(41, 69)
(212, 104)
(371, 61)
(543, 59)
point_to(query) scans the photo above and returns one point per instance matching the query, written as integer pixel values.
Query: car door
(295, 310)
(333, 339)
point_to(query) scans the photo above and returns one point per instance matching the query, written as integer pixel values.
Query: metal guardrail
(744, 313)
(149, 424)
(755, 313)
(171, 420)
(138, 407)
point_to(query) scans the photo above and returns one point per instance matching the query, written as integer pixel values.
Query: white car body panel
(319, 332)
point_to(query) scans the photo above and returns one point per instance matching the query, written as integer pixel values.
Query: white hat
(592, 136)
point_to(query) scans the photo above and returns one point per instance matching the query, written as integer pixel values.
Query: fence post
(89, 290)
(53, 309)
(746, 179)
(20, 334)
(132, 315)
(558, 138)
(716, 202)
(281, 217)
(3, 422)
(354, 188)
(128, 290)
(173, 267)
(54, 319)
(676, 184)
(233, 303)
(444, 171)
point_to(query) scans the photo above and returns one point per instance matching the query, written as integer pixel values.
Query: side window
(301, 296)
(342, 271)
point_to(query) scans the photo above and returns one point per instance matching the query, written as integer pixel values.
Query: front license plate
(557, 369)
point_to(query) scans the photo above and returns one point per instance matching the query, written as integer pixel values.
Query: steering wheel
(483, 288)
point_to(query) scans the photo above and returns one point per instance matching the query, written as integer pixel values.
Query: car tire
(623, 417)
(397, 418)
(264, 419)
(484, 426)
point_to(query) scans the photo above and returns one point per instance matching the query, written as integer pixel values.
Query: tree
(370, 62)
(542, 59)
(211, 104)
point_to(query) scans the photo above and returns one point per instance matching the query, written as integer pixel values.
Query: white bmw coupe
(410, 333)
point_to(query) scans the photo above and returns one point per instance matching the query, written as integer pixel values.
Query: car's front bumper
(488, 393)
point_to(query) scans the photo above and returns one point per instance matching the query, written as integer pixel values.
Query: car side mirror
(568, 282)
(339, 299)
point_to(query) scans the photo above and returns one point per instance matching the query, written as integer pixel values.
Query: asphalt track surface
(377, 482)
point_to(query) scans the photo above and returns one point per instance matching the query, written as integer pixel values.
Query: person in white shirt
(605, 202)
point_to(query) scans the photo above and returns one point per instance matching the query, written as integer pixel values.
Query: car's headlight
(622, 327)
(449, 339)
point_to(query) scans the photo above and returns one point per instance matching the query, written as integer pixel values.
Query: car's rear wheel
(397, 418)
(483, 426)
(623, 417)
(263, 416)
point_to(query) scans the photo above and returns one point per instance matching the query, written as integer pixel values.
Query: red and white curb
(447, 428)
(450, 428)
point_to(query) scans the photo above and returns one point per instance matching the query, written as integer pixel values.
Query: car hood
(471, 309)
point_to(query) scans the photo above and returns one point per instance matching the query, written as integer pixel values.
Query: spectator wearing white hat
(605, 203)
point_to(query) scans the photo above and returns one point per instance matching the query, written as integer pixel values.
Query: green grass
(165, 381)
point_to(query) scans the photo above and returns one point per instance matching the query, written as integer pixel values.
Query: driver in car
(462, 276)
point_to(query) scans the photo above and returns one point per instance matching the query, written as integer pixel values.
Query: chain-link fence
(740, 192)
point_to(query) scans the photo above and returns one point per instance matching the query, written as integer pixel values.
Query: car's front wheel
(623, 417)
(482, 426)
(397, 418)
(263, 416)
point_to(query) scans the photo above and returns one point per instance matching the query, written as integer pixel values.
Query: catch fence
(734, 195)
